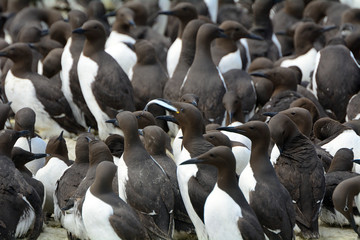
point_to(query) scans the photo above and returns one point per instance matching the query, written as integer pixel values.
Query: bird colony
(192, 119)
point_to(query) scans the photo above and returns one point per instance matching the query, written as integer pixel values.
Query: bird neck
(227, 44)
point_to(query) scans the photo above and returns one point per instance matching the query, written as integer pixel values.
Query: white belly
(95, 214)
(221, 216)
(247, 182)
(87, 70)
(66, 64)
(49, 175)
(184, 173)
(15, 87)
(305, 62)
(230, 61)
(173, 56)
(122, 178)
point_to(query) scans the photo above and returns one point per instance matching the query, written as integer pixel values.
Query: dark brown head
(25, 120)
(98, 152)
(104, 176)
(56, 146)
(282, 129)
(235, 31)
(342, 160)
(327, 127)
(302, 118)
(156, 140)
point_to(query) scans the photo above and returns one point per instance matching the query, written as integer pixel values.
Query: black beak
(259, 74)
(39, 155)
(44, 32)
(328, 28)
(192, 161)
(113, 121)
(231, 129)
(168, 119)
(60, 136)
(22, 133)
(270, 114)
(110, 14)
(356, 161)
(166, 13)
(79, 31)
(254, 36)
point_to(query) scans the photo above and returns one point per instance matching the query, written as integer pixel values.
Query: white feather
(95, 214)
(26, 221)
(173, 56)
(230, 61)
(15, 87)
(122, 178)
(305, 62)
(66, 64)
(221, 215)
(87, 70)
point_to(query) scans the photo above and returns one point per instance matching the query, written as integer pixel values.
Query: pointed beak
(168, 119)
(254, 36)
(328, 28)
(281, 33)
(113, 121)
(270, 114)
(28, 138)
(44, 32)
(23, 133)
(132, 23)
(192, 161)
(259, 74)
(61, 136)
(356, 161)
(221, 34)
(231, 129)
(79, 31)
(110, 14)
(166, 13)
(39, 155)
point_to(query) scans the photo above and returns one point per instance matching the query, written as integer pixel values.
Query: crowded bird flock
(192, 119)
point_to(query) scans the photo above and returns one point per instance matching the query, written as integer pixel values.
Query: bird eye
(212, 155)
(293, 113)
(251, 127)
(182, 110)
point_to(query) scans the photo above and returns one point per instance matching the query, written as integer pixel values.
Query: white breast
(221, 215)
(15, 87)
(66, 65)
(173, 56)
(124, 56)
(95, 214)
(87, 70)
(347, 139)
(230, 61)
(122, 178)
(247, 182)
(26, 220)
(49, 175)
(116, 37)
(305, 62)
(184, 173)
